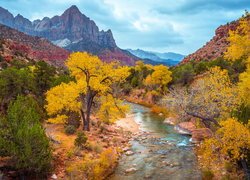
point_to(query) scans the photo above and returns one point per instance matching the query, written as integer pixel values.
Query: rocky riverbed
(157, 151)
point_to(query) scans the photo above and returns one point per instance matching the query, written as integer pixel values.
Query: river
(159, 152)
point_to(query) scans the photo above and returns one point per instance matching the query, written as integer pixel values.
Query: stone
(54, 176)
(130, 170)
(199, 135)
(170, 120)
(190, 126)
(129, 153)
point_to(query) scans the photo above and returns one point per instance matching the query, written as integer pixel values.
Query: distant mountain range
(72, 31)
(150, 57)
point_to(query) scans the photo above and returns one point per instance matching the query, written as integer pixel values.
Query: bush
(207, 174)
(158, 109)
(23, 138)
(80, 140)
(69, 130)
(93, 146)
(100, 168)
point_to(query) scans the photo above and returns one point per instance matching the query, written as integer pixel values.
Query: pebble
(131, 170)
(129, 153)
(54, 176)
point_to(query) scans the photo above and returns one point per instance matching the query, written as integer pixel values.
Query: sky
(180, 26)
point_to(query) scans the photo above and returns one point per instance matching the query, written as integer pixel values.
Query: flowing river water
(159, 152)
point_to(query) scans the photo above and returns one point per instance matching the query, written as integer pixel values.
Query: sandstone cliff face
(25, 46)
(215, 47)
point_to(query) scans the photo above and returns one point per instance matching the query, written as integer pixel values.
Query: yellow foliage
(112, 109)
(215, 93)
(92, 77)
(59, 119)
(98, 169)
(102, 74)
(229, 143)
(239, 41)
(158, 109)
(244, 86)
(160, 77)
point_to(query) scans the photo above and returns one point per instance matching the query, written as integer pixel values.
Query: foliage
(14, 82)
(98, 169)
(93, 79)
(160, 77)
(183, 74)
(244, 87)
(210, 97)
(23, 138)
(94, 146)
(207, 174)
(69, 130)
(43, 74)
(230, 143)
(111, 109)
(158, 109)
(80, 140)
(239, 40)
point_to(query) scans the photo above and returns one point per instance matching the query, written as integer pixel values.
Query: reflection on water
(160, 153)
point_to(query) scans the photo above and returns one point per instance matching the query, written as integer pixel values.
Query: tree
(239, 40)
(44, 76)
(14, 82)
(94, 79)
(240, 48)
(23, 138)
(231, 142)
(160, 77)
(210, 97)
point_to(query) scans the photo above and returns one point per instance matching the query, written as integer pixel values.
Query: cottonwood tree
(240, 48)
(209, 97)
(160, 77)
(93, 79)
(230, 143)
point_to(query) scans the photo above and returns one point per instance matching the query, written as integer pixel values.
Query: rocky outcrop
(215, 47)
(18, 44)
(72, 31)
(199, 135)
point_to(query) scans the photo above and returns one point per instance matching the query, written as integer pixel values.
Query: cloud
(163, 25)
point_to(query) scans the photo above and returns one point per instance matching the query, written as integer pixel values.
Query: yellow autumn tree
(160, 77)
(240, 48)
(93, 79)
(210, 97)
(231, 142)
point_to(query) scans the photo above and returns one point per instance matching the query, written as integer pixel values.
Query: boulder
(190, 126)
(170, 120)
(199, 135)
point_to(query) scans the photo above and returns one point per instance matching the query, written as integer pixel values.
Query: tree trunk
(87, 102)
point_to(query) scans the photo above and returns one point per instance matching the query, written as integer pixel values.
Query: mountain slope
(154, 58)
(72, 31)
(21, 44)
(215, 47)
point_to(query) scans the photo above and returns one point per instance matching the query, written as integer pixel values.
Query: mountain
(17, 44)
(72, 31)
(215, 47)
(155, 58)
